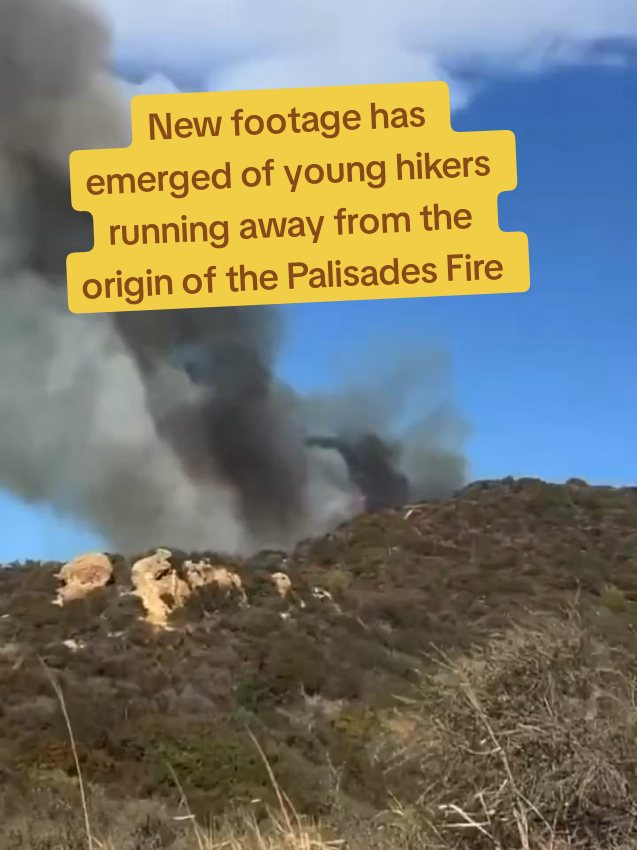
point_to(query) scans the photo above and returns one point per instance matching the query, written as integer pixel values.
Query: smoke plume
(161, 427)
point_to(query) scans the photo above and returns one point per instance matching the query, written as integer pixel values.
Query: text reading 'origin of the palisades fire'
(294, 195)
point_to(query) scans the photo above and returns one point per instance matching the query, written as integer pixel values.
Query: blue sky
(545, 378)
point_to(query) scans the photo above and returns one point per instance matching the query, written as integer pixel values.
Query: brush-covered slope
(472, 659)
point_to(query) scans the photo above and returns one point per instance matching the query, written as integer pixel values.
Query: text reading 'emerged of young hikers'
(294, 195)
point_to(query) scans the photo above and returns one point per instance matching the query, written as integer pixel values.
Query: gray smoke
(160, 427)
(401, 436)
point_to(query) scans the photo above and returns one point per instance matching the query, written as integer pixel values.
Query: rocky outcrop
(156, 581)
(82, 575)
(158, 586)
(162, 589)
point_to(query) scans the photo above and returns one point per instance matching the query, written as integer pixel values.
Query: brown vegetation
(459, 674)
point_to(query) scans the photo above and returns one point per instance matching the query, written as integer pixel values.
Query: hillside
(459, 673)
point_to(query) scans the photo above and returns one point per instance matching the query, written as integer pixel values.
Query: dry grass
(285, 829)
(518, 732)
(527, 743)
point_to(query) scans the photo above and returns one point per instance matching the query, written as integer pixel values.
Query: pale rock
(82, 575)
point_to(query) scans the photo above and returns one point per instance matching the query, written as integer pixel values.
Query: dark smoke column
(371, 463)
(89, 429)
(239, 430)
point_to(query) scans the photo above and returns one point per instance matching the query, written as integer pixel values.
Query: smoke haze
(101, 418)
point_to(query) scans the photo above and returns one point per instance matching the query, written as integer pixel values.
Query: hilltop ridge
(366, 664)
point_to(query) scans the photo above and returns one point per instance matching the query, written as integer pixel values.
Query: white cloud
(254, 44)
(154, 84)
